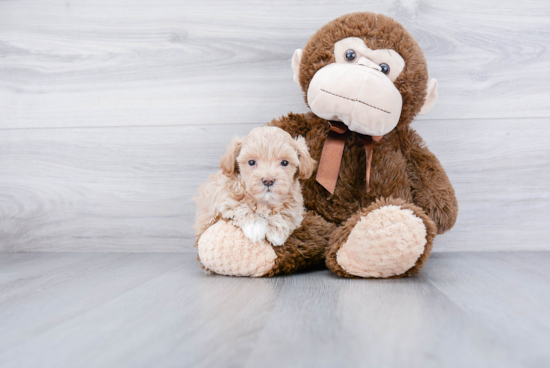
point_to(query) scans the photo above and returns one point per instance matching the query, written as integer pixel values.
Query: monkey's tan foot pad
(223, 249)
(386, 242)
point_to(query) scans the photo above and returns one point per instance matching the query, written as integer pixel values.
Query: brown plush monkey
(379, 196)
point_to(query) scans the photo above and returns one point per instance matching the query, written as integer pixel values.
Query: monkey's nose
(368, 63)
(268, 181)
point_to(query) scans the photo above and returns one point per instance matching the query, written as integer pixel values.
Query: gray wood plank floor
(143, 310)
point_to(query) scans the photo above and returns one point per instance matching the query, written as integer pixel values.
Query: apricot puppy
(258, 188)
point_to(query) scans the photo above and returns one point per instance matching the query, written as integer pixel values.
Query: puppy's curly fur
(258, 186)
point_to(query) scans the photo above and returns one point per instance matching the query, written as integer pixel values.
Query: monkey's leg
(305, 248)
(224, 249)
(390, 238)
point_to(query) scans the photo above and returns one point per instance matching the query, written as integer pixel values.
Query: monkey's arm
(431, 188)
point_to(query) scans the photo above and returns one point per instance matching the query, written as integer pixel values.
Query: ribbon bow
(331, 157)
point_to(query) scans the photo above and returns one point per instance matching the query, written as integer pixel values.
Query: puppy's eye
(284, 163)
(252, 162)
(385, 68)
(350, 55)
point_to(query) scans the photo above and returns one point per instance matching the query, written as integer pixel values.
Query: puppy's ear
(228, 162)
(307, 164)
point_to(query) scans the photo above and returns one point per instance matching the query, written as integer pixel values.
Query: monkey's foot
(391, 238)
(224, 249)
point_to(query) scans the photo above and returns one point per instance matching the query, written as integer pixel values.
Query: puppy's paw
(276, 239)
(277, 235)
(255, 231)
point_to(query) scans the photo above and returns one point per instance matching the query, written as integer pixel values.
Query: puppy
(258, 188)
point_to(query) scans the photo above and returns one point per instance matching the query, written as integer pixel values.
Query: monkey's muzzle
(363, 98)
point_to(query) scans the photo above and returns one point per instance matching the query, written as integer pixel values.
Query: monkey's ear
(296, 58)
(307, 164)
(431, 97)
(228, 162)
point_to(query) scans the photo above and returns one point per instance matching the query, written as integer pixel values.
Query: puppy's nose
(268, 181)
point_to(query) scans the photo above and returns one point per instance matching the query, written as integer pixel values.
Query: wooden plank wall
(113, 112)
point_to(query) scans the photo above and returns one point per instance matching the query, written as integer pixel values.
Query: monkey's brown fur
(403, 172)
(305, 248)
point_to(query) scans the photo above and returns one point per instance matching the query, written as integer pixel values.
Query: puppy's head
(268, 161)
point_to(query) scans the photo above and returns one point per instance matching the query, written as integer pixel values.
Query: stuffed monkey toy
(379, 196)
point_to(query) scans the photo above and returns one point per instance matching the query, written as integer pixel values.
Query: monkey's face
(365, 82)
(358, 88)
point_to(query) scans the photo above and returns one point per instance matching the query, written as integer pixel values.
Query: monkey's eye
(284, 163)
(350, 55)
(252, 162)
(385, 68)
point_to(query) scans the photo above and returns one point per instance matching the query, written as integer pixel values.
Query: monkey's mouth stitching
(364, 103)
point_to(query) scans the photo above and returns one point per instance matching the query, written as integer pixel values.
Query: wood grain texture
(478, 285)
(142, 310)
(130, 189)
(173, 62)
(107, 189)
(111, 113)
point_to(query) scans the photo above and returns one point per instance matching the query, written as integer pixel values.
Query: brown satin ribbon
(333, 149)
